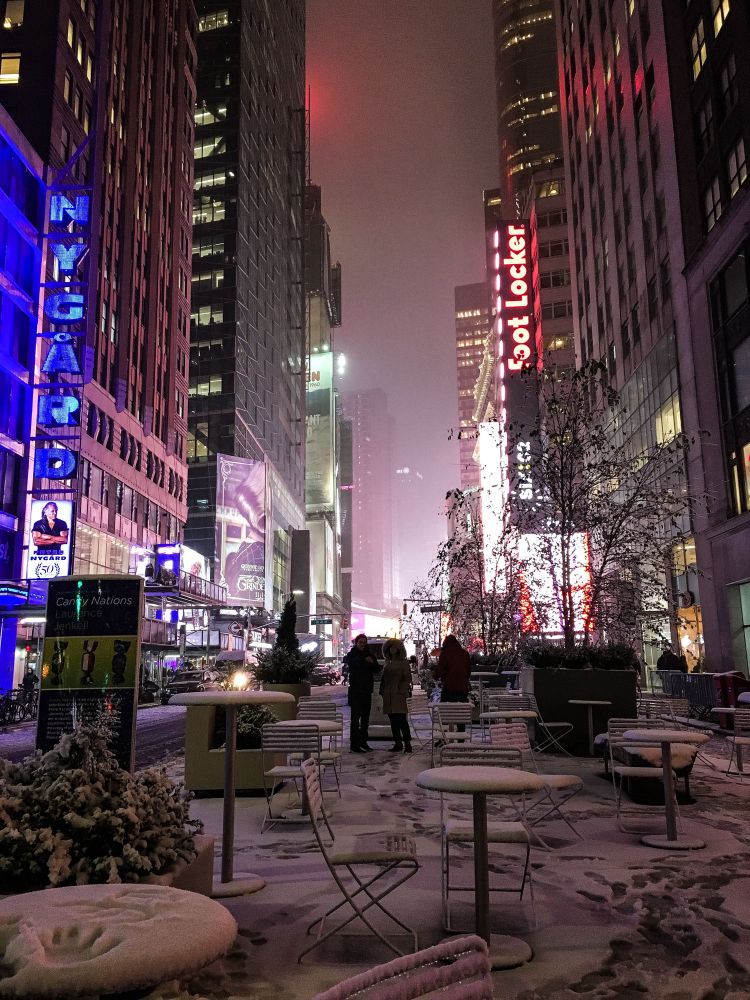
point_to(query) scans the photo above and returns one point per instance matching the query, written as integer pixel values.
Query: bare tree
(480, 580)
(423, 627)
(606, 509)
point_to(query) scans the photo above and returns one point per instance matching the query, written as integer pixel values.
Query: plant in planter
(285, 664)
(74, 816)
(250, 721)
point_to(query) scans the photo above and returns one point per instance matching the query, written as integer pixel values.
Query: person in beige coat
(395, 687)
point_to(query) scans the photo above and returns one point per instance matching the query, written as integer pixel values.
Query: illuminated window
(549, 188)
(67, 86)
(208, 115)
(215, 179)
(79, 51)
(668, 421)
(736, 167)
(13, 14)
(712, 204)
(208, 209)
(71, 33)
(219, 19)
(89, 68)
(10, 67)
(720, 12)
(698, 49)
(210, 147)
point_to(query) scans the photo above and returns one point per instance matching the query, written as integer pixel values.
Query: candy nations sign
(90, 657)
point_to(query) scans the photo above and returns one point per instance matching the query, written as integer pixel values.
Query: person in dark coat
(395, 687)
(669, 660)
(362, 669)
(453, 670)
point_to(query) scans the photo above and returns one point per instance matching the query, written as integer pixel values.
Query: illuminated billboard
(49, 539)
(320, 429)
(492, 483)
(241, 528)
(541, 586)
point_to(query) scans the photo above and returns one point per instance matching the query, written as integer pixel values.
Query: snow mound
(92, 939)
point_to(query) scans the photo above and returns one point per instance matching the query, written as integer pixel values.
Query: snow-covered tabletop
(509, 713)
(665, 736)
(99, 939)
(479, 778)
(231, 698)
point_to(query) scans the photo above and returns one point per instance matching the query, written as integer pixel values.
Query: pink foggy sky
(403, 143)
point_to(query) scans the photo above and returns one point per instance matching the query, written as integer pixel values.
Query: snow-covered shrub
(74, 816)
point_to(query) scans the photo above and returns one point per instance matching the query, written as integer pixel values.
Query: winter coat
(454, 668)
(362, 668)
(395, 686)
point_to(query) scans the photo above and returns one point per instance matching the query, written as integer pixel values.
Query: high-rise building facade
(373, 584)
(528, 106)
(626, 236)
(707, 42)
(247, 361)
(104, 92)
(322, 420)
(472, 329)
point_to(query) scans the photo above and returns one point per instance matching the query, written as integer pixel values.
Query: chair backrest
(514, 734)
(481, 754)
(650, 707)
(457, 969)
(741, 721)
(317, 708)
(290, 739)
(418, 704)
(313, 791)
(452, 712)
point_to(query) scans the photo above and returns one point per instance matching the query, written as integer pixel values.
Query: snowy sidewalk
(615, 919)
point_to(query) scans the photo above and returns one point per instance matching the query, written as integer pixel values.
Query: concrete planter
(204, 765)
(554, 687)
(193, 876)
(296, 690)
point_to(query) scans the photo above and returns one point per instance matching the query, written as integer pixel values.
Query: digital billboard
(320, 429)
(541, 582)
(241, 528)
(50, 536)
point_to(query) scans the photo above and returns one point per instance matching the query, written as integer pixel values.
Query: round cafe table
(665, 738)
(479, 781)
(230, 701)
(327, 727)
(590, 705)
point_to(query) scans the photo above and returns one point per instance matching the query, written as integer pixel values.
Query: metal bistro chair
(326, 710)
(559, 788)
(418, 714)
(458, 968)
(387, 853)
(446, 714)
(498, 832)
(551, 732)
(740, 739)
(297, 743)
(620, 771)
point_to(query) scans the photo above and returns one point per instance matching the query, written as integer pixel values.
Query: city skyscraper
(528, 105)
(472, 331)
(104, 93)
(709, 91)
(626, 235)
(247, 360)
(372, 502)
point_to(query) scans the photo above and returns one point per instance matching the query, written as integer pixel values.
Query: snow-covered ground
(614, 919)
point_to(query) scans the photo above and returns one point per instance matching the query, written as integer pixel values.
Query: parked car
(184, 681)
(325, 673)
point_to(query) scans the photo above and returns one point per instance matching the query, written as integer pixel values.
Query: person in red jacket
(453, 669)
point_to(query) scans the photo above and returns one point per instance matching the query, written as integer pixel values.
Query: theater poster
(91, 658)
(241, 528)
(50, 539)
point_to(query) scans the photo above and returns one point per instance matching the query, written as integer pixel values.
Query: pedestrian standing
(362, 669)
(453, 670)
(395, 686)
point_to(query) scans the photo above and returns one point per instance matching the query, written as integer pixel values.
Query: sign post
(91, 658)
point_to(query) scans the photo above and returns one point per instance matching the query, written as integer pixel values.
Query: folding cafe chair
(384, 855)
